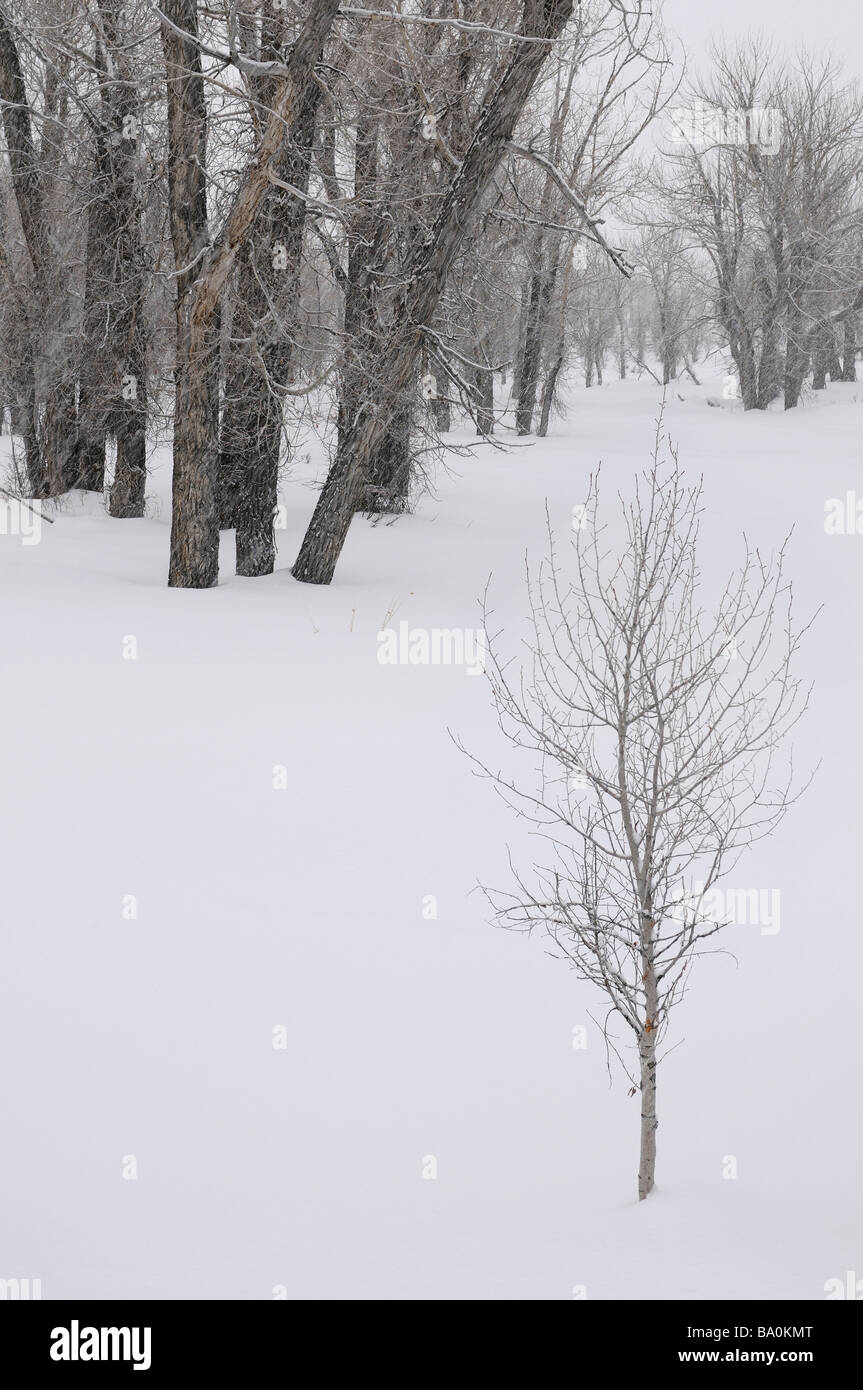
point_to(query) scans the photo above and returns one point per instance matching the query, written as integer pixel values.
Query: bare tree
(655, 730)
(773, 204)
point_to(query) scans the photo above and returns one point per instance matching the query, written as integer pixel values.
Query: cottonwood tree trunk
(60, 336)
(387, 486)
(483, 378)
(769, 365)
(439, 406)
(194, 523)
(195, 516)
(823, 350)
(539, 299)
(128, 387)
(364, 249)
(559, 352)
(96, 366)
(425, 277)
(387, 482)
(266, 317)
(743, 352)
(29, 197)
(797, 334)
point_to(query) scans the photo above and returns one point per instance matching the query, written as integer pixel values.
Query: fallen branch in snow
(24, 503)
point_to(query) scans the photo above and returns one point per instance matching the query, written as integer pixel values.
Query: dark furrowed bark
(252, 424)
(195, 516)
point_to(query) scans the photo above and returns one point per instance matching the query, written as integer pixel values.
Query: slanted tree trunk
(424, 279)
(559, 353)
(548, 394)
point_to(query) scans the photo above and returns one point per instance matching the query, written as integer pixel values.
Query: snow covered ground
(145, 1043)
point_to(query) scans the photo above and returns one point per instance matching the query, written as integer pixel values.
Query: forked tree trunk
(252, 422)
(425, 277)
(195, 513)
(542, 286)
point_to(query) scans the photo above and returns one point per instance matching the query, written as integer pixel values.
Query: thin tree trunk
(822, 347)
(484, 384)
(441, 412)
(647, 1061)
(548, 395)
(849, 346)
